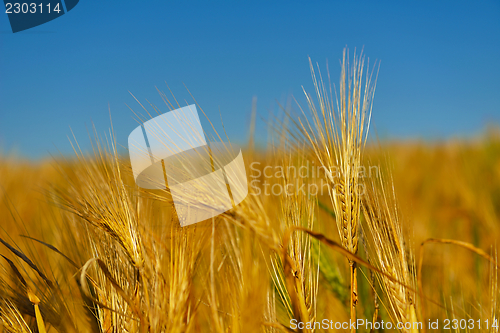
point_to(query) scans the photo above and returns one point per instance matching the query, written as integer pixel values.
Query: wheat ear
(337, 138)
(388, 246)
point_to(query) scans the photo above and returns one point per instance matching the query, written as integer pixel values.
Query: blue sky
(439, 74)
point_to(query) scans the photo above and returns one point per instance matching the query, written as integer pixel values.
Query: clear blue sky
(439, 75)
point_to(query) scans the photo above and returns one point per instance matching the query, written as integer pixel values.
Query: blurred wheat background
(86, 250)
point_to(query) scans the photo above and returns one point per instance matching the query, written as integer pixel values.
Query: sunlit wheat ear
(98, 195)
(388, 249)
(298, 210)
(337, 135)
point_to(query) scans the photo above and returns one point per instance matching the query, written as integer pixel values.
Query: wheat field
(337, 228)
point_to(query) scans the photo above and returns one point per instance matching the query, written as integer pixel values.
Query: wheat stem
(354, 292)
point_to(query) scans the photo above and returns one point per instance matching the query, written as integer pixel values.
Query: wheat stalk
(337, 137)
